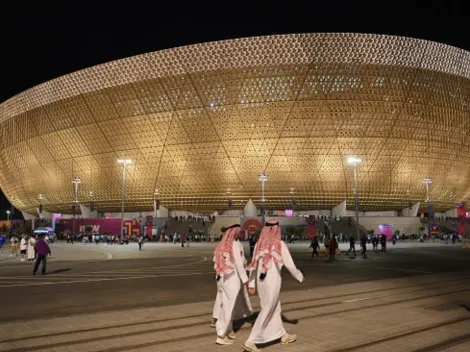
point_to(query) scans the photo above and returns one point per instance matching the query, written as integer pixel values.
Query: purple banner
(100, 226)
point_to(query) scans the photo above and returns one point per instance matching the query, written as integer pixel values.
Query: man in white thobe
(230, 276)
(271, 254)
(243, 308)
(31, 249)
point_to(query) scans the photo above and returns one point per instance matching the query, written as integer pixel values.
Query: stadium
(200, 123)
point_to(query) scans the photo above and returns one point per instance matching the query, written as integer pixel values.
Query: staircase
(342, 226)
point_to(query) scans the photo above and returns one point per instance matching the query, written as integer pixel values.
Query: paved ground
(115, 298)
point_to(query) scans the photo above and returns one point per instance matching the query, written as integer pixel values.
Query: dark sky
(41, 40)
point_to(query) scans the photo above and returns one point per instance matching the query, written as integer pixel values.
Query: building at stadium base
(199, 124)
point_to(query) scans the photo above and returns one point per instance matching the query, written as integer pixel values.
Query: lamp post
(427, 181)
(229, 201)
(124, 163)
(263, 178)
(8, 214)
(354, 161)
(75, 181)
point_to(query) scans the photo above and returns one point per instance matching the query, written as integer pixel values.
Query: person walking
(2, 242)
(23, 247)
(43, 250)
(271, 254)
(364, 246)
(315, 246)
(14, 246)
(252, 245)
(352, 246)
(383, 243)
(230, 276)
(140, 240)
(333, 247)
(32, 248)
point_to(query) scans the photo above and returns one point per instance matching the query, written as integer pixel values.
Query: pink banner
(99, 226)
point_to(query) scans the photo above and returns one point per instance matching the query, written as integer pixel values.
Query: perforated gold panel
(200, 119)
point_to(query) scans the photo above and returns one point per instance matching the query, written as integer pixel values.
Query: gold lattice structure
(201, 119)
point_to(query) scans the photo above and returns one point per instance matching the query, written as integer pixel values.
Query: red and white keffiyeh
(223, 254)
(268, 247)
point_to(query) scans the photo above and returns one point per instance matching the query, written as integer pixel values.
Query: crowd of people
(34, 248)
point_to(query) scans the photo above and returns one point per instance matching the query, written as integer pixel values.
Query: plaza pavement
(61, 251)
(426, 313)
(415, 298)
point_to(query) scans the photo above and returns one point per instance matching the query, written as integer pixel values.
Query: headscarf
(268, 247)
(223, 250)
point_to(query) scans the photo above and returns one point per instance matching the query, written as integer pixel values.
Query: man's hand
(251, 291)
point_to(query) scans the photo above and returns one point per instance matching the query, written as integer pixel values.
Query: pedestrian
(140, 240)
(32, 248)
(375, 243)
(271, 254)
(252, 245)
(43, 250)
(23, 247)
(14, 246)
(333, 247)
(182, 240)
(315, 246)
(352, 245)
(363, 246)
(2, 242)
(383, 243)
(231, 278)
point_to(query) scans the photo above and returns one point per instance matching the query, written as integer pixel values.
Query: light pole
(427, 181)
(263, 178)
(75, 181)
(124, 163)
(229, 201)
(354, 161)
(8, 214)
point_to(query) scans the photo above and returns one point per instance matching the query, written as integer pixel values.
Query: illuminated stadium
(202, 122)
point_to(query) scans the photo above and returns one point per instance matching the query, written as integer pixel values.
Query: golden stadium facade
(201, 119)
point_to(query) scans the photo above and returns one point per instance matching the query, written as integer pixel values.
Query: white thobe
(243, 306)
(230, 292)
(268, 326)
(31, 244)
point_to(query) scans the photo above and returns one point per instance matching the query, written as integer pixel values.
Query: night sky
(41, 40)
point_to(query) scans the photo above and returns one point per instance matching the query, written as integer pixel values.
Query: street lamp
(229, 201)
(263, 178)
(427, 181)
(123, 162)
(8, 214)
(354, 161)
(75, 181)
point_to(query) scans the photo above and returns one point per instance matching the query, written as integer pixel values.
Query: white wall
(407, 225)
(250, 209)
(339, 210)
(162, 212)
(313, 212)
(184, 213)
(379, 213)
(233, 212)
(452, 213)
(413, 211)
(132, 215)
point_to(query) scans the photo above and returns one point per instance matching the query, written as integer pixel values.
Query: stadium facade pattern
(201, 119)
